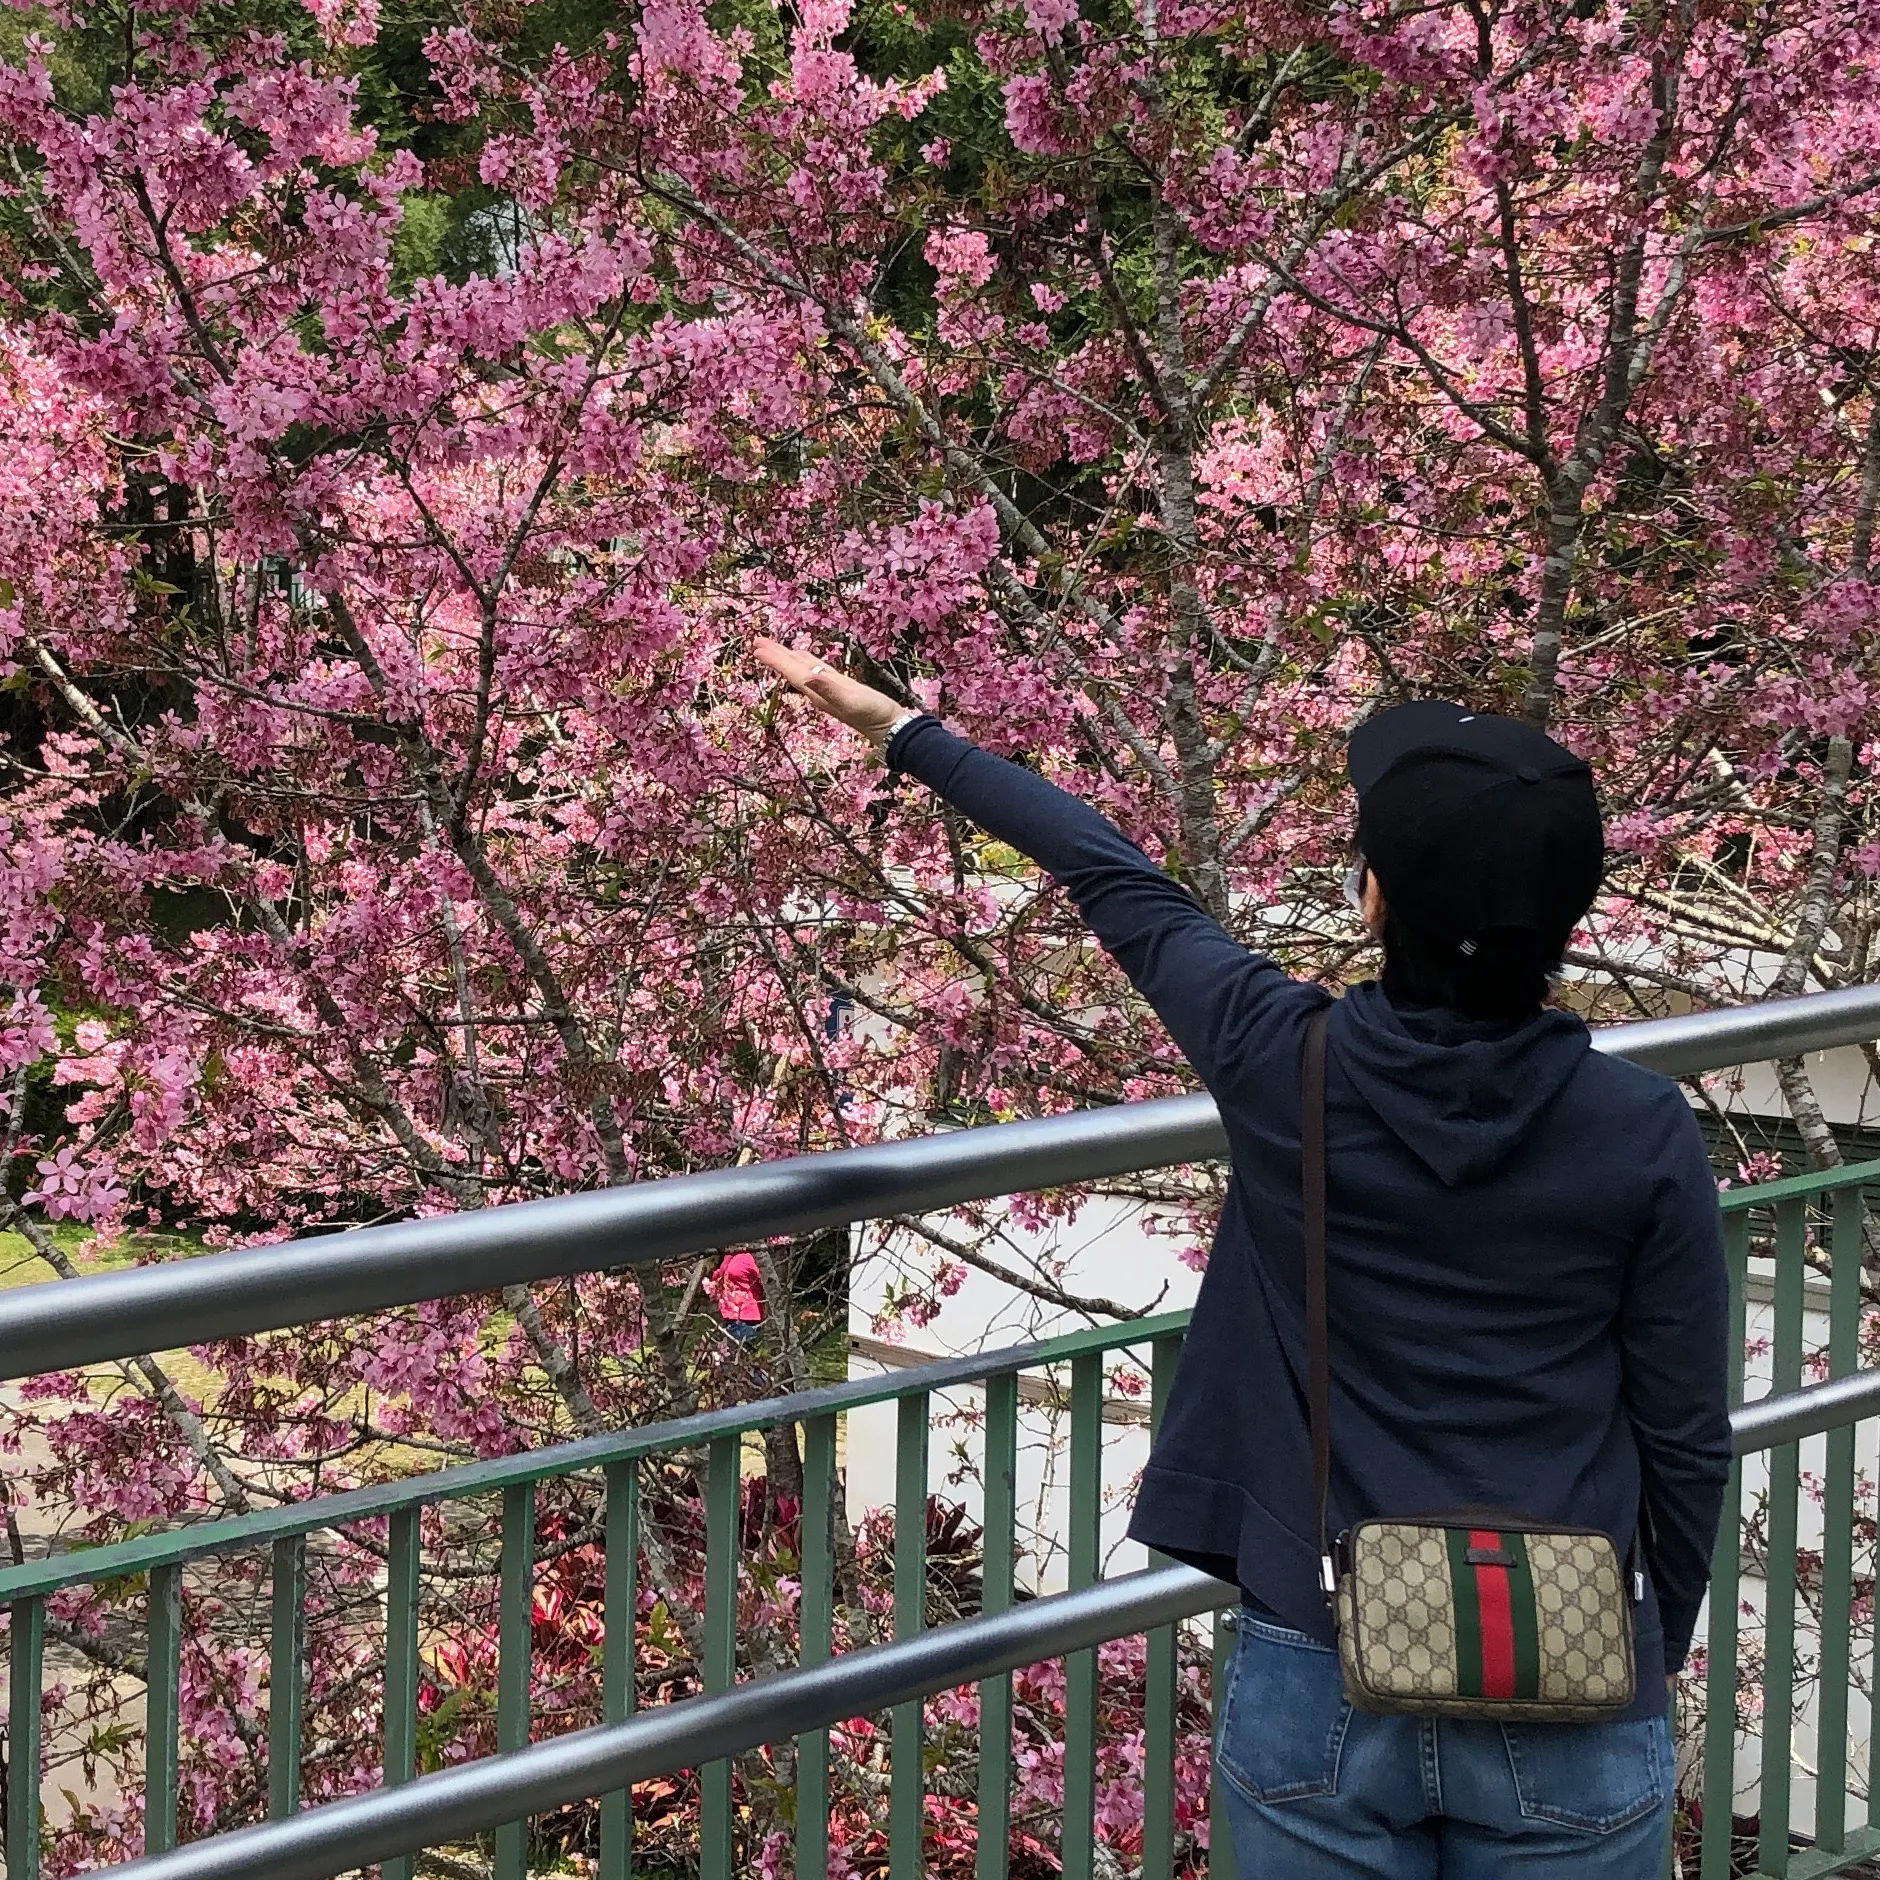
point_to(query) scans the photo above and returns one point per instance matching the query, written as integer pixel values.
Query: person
(1527, 1295)
(737, 1289)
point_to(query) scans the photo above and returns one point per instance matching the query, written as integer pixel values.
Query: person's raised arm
(1203, 984)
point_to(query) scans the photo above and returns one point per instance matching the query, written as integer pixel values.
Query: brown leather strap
(1312, 1195)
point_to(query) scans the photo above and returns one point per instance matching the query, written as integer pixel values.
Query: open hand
(833, 693)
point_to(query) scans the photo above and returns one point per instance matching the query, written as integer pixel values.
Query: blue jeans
(1314, 1789)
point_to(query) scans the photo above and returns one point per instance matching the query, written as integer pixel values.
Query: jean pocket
(1283, 1725)
(1598, 1777)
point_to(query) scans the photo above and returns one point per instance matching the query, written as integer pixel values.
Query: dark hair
(1506, 977)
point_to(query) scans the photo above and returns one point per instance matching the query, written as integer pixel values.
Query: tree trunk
(783, 1465)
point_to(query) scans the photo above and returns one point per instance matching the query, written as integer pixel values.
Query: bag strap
(1312, 1197)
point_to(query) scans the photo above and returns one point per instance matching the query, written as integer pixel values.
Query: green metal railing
(1810, 1227)
(282, 1534)
(1807, 1227)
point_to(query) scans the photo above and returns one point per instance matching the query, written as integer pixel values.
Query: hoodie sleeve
(1674, 1336)
(1202, 983)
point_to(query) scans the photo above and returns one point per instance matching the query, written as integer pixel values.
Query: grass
(21, 1266)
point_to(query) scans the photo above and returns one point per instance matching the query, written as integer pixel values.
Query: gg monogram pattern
(1584, 1622)
(1401, 1631)
(1435, 1620)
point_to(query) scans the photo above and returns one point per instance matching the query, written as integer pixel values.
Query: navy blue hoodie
(1528, 1302)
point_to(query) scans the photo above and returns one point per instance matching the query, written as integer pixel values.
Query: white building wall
(1106, 1253)
(1843, 1084)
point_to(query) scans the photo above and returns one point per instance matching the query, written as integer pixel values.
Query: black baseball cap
(1483, 832)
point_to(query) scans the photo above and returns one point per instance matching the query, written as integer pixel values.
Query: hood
(1461, 1094)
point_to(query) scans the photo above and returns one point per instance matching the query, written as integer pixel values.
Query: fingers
(801, 671)
(830, 690)
(785, 661)
(814, 678)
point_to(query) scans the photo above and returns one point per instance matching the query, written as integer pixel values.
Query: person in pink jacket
(737, 1289)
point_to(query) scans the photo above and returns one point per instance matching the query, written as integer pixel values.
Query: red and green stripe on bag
(1497, 1625)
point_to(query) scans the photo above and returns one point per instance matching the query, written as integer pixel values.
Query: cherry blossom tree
(408, 425)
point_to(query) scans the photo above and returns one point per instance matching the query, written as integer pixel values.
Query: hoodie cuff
(1678, 1626)
(893, 750)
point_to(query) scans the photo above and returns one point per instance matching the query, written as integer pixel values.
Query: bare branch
(1091, 1306)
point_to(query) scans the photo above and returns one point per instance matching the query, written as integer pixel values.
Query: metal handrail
(230, 1295)
(1770, 1422)
(438, 1809)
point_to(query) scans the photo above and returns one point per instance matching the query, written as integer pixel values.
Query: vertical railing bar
(724, 1485)
(515, 1652)
(1872, 1772)
(1778, 1720)
(621, 1592)
(1161, 1673)
(403, 1554)
(26, 1654)
(816, 1605)
(1080, 1668)
(1721, 1674)
(287, 1648)
(1221, 1864)
(995, 1694)
(1837, 1542)
(1720, 1686)
(907, 1804)
(162, 1716)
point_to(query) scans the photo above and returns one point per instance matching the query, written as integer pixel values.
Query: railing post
(1778, 1708)
(26, 1652)
(403, 1555)
(907, 1788)
(286, 1653)
(1837, 1546)
(1720, 1671)
(1159, 1719)
(515, 1658)
(816, 1628)
(1000, 1554)
(723, 1498)
(162, 1706)
(621, 1594)
(1080, 1669)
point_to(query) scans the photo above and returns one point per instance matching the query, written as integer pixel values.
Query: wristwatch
(897, 725)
